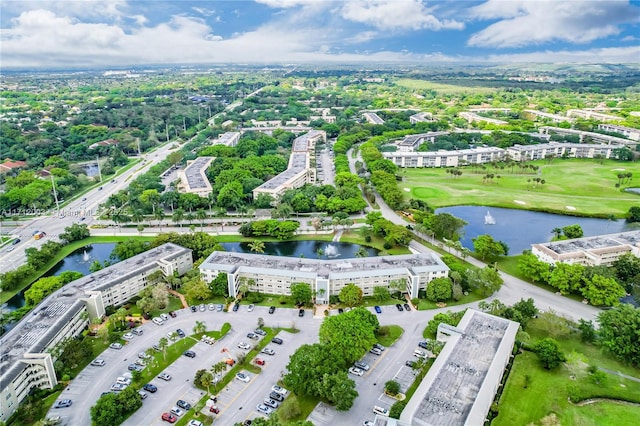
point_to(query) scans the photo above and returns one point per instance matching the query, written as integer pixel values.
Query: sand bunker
(570, 207)
(407, 189)
(519, 202)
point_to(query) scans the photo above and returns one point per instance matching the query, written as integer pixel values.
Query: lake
(521, 228)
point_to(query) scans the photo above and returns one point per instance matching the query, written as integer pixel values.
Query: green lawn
(395, 331)
(575, 186)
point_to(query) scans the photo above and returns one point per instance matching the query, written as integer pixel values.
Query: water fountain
(331, 251)
(85, 256)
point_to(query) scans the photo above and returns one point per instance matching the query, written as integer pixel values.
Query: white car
(116, 345)
(282, 391)
(250, 307)
(177, 411)
(123, 381)
(244, 345)
(264, 409)
(380, 410)
(98, 362)
(164, 376)
(243, 377)
(128, 336)
(117, 387)
(356, 371)
(194, 423)
(419, 354)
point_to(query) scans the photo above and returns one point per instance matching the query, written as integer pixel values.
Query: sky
(51, 34)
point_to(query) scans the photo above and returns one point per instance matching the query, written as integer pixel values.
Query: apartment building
(26, 360)
(558, 149)
(589, 251)
(227, 138)
(592, 136)
(193, 178)
(457, 158)
(373, 118)
(589, 114)
(421, 117)
(411, 143)
(275, 274)
(556, 118)
(299, 170)
(472, 117)
(464, 379)
(627, 132)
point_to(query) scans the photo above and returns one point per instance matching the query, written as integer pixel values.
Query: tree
(566, 277)
(603, 291)
(392, 387)
(451, 318)
(351, 295)
(381, 293)
(338, 389)
(301, 293)
(439, 289)
(349, 335)
(627, 268)
(308, 365)
(74, 232)
(549, 353)
(256, 246)
(199, 327)
(110, 409)
(196, 289)
(634, 214)
(445, 225)
(178, 216)
(573, 231)
(486, 280)
(587, 331)
(163, 344)
(534, 268)
(487, 247)
(619, 332)
(231, 195)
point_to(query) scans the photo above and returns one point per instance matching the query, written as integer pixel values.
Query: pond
(81, 259)
(521, 228)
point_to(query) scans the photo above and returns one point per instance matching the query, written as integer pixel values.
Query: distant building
(411, 143)
(441, 158)
(373, 118)
(106, 142)
(228, 139)
(590, 136)
(548, 116)
(559, 149)
(299, 170)
(421, 117)
(193, 178)
(26, 360)
(462, 382)
(589, 251)
(588, 114)
(275, 274)
(627, 132)
(9, 165)
(472, 117)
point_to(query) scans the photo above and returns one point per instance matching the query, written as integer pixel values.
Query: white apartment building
(594, 137)
(299, 170)
(558, 149)
(472, 117)
(373, 118)
(589, 251)
(227, 138)
(443, 158)
(193, 178)
(26, 361)
(627, 132)
(275, 274)
(589, 114)
(421, 117)
(556, 118)
(411, 143)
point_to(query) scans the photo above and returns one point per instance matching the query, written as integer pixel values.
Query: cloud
(283, 4)
(610, 55)
(395, 14)
(528, 22)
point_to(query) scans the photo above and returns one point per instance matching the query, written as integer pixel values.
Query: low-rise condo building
(589, 114)
(627, 132)
(558, 150)
(193, 178)
(373, 118)
(589, 251)
(275, 274)
(472, 117)
(462, 382)
(227, 138)
(421, 117)
(457, 158)
(592, 137)
(26, 359)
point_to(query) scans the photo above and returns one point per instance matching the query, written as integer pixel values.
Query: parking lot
(238, 400)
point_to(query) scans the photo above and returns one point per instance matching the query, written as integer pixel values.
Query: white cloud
(610, 55)
(80, 8)
(283, 4)
(396, 14)
(529, 22)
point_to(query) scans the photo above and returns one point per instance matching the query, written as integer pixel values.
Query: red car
(259, 361)
(168, 417)
(214, 409)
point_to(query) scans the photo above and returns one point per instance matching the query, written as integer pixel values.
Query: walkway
(181, 297)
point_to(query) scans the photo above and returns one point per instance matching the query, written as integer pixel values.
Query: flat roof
(583, 146)
(334, 268)
(226, 138)
(460, 386)
(194, 173)
(34, 331)
(598, 242)
(442, 153)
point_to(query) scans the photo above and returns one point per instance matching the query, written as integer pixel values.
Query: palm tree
(282, 211)
(321, 292)
(189, 217)
(170, 199)
(211, 199)
(205, 380)
(200, 327)
(557, 231)
(257, 246)
(216, 369)
(137, 215)
(243, 288)
(159, 215)
(163, 344)
(362, 252)
(178, 216)
(201, 215)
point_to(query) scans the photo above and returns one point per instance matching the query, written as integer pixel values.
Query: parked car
(123, 380)
(260, 331)
(220, 307)
(116, 345)
(259, 361)
(378, 309)
(375, 351)
(268, 351)
(118, 387)
(282, 391)
(180, 333)
(380, 410)
(194, 423)
(244, 345)
(173, 314)
(168, 417)
(164, 376)
(212, 307)
(135, 367)
(272, 309)
(176, 411)
(276, 340)
(379, 346)
(157, 321)
(243, 377)
(407, 307)
(264, 409)
(356, 371)
(424, 345)
(271, 403)
(193, 308)
(128, 336)
(190, 354)
(63, 403)
(361, 365)
(340, 310)
(419, 354)
(98, 362)
(143, 355)
(164, 317)
(143, 394)
(150, 388)
(236, 306)
(213, 409)
(253, 336)
(251, 307)
(202, 308)
(277, 396)
(399, 307)
(301, 312)
(137, 331)
(16, 241)
(410, 364)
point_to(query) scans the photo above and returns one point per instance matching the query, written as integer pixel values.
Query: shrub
(396, 409)
(387, 245)
(392, 387)
(367, 238)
